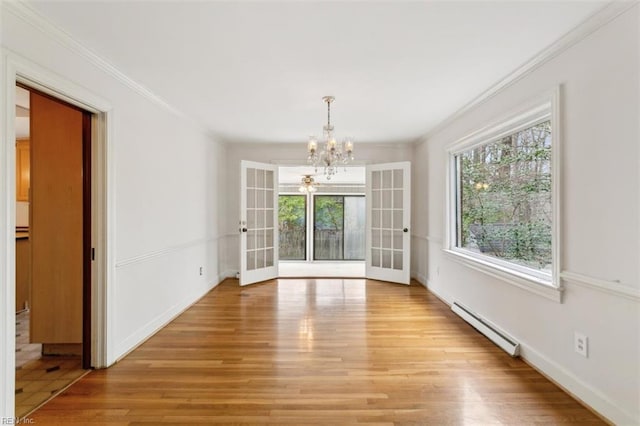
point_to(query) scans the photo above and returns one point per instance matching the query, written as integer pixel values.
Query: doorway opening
(53, 241)
(322, 233)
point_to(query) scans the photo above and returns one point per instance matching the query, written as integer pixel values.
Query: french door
(258, 222)
(388, 241)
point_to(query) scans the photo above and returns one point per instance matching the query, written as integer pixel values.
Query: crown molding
(28, 14)
(594, 22)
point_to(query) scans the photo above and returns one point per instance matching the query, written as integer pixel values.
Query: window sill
(519, 279)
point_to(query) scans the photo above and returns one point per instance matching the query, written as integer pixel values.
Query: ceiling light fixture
(332, 154)
(308, 184)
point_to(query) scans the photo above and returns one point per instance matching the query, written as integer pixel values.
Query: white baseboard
(229, 273)
(159, 322)
(577, 388)
(422, 279)
(566, 380)
(442, 297)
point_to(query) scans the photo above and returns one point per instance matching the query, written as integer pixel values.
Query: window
(503, 197)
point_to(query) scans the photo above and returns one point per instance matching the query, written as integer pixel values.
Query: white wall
(169, 189)
(600, 223)
(290, 155)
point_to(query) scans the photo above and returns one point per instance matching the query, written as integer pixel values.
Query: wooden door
(388, 243)
(56, 221)
(258, 222)
(23, 164)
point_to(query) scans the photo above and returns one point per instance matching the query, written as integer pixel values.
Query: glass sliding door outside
(339, 222)
(354, 228)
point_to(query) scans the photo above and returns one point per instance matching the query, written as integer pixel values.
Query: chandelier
(308, 184)
(332, 154)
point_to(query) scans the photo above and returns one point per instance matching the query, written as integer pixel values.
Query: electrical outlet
(581, 344)
(201, 270)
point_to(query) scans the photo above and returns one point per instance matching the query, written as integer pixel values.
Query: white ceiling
(256, 71)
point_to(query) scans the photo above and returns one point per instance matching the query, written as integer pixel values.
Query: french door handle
(405, 230)
(243, 229)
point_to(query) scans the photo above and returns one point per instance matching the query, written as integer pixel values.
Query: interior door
(388, 219)
(258, 222)
(57, 221)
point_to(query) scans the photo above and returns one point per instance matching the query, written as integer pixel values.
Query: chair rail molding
(610, 287)
(164, 251)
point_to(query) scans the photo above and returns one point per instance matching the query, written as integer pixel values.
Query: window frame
(546, 107)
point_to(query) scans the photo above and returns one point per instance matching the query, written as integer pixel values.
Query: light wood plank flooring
(316, 351)
(39, 377)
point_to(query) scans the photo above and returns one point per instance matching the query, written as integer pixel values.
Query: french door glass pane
(259, 210)
(387, 219)
(292, 220)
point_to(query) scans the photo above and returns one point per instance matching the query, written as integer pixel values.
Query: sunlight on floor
(351, 269)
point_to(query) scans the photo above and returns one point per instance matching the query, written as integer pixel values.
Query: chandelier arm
(332, 154)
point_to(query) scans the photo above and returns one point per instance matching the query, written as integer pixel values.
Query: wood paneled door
(23, 164)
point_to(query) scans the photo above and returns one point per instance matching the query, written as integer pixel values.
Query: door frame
(17, 69)
(87, 215)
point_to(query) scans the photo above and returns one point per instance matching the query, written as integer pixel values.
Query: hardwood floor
(39, 377)
(323, 351)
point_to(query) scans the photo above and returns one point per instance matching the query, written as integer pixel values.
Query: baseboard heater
(496, 336)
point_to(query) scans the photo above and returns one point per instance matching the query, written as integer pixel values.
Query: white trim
(568, 381)
(576, 387)
(510, 276)
(18, 69)
(610, 287)
(587, 27)
(229, 273)
(28, 14)
(420, 278)
(165, 251)
(526, 117)
(541, 108)
(7, 240)
(556, 186)
(103, 237)
(142, 334)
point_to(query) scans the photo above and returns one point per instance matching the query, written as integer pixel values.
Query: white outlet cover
(581, 344)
